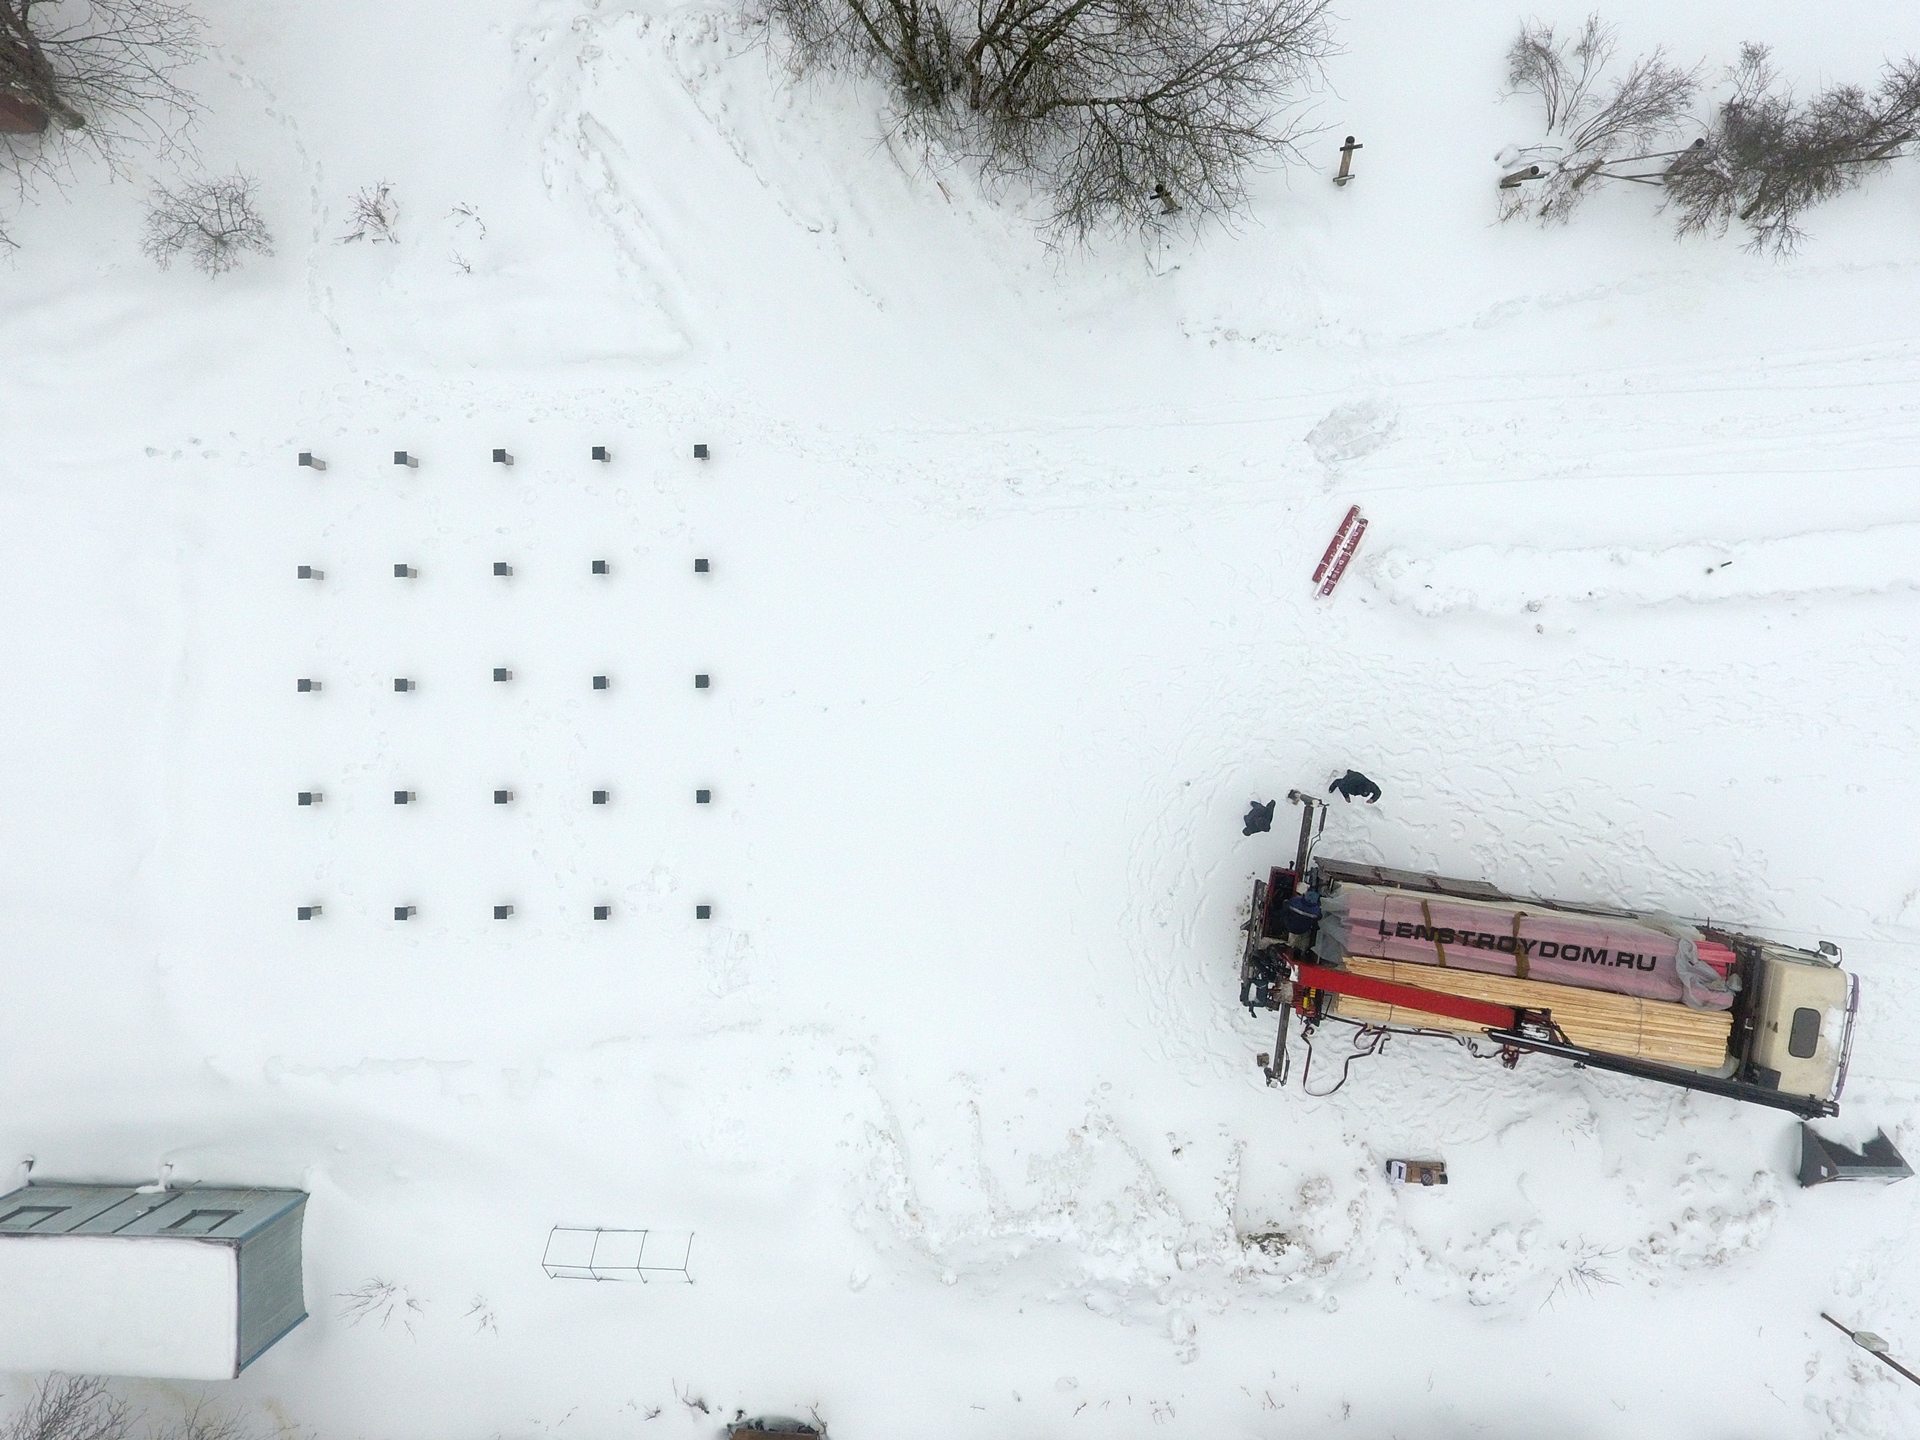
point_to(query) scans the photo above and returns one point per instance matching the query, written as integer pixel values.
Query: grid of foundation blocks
(407, 572)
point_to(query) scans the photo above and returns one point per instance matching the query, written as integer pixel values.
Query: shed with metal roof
(191, 1284)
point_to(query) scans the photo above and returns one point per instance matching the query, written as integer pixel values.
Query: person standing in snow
(1353, 785)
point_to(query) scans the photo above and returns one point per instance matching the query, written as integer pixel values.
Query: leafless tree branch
(1125, 110)
(103, 74)
(214, 223)
(71, 1407)
(1766, 159)
(1590, 127)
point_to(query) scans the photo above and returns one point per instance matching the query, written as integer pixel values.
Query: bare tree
(104, 73)
(106, 67)
(70, 1407)
(1127, 110)
(1593, 130)
(214, 223)
(1765, 159)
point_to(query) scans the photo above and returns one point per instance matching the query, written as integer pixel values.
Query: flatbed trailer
(1790, 1028)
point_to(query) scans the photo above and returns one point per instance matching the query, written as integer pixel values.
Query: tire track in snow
(1520, 582)
(562, 60)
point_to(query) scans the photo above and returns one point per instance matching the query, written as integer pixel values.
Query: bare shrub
(1592, 127)
(382, 1300)
(1125, 110)
(372, 215)
(70, 1407)
(1765, 158)
(1585, 1274)
(201, 1421)
(214, 223)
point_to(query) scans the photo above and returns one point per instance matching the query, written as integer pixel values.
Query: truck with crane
(1698, 1005)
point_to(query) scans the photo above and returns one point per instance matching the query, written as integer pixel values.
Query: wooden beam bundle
(1595, 1019)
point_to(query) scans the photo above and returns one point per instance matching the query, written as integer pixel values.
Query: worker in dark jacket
(1355, 786)
(1259, 818)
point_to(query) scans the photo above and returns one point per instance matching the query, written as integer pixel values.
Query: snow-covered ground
(1008, 619)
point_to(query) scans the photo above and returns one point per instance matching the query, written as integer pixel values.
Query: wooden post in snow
(1346, 160)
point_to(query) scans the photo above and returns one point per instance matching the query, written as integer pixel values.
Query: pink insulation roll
(1506, 938)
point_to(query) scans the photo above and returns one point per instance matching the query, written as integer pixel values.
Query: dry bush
(214, 223)
(1765, 159)
(201, 1421)
(70, 1407)
(1125, 110)
(372, 215)
(382, 1301)
(1591, 126)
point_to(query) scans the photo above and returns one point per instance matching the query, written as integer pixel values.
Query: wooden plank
(1595, 1019)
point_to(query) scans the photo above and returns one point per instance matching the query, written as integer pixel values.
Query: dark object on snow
(773, 1427)
(1355, 786)
(1346, 160)
(700, 452)
(600, 454)
(1417, 1172)
(1300, 913)
(1259, 818)
(311, 461)
(1823, 1161)
(1872, 1344)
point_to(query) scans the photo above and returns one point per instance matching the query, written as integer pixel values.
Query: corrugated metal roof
(204, 1212)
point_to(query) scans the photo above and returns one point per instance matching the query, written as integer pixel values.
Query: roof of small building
(219, 1213)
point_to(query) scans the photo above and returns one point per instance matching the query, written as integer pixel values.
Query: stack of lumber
(1596, 1019)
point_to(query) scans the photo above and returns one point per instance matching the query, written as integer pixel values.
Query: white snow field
(1008, 618)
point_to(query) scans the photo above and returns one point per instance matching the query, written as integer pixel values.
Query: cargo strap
(1426, 914)
(1519, 946)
